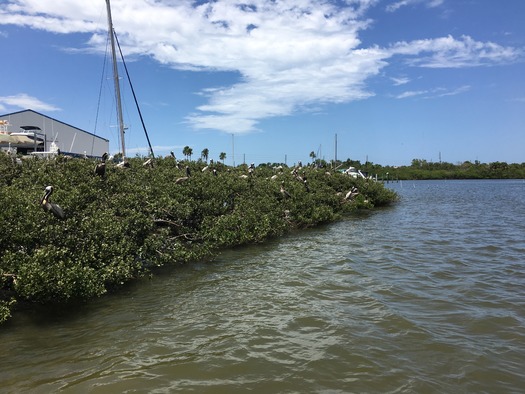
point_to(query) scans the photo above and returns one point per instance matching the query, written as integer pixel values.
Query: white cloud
(449, 52)
(24, 101)
(289, 55)
(403, 3)
(400, 81)
(433, 93)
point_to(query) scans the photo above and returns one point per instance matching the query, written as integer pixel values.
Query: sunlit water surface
(425, 296)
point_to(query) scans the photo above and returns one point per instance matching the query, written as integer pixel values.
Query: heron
(50, 207)
(100, 168)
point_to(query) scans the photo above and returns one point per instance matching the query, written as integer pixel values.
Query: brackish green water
(425, 296)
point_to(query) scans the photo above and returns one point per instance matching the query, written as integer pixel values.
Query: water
(426, 296)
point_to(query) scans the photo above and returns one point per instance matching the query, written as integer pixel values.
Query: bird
(307, 187)
(181, 179)
(352, 193)
(284, 192)
(100, 168)
(148, 163)
(50, 207)
(124, 164)
(188, 172)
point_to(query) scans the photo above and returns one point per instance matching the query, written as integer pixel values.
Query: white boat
(354, 173)
(30, 135)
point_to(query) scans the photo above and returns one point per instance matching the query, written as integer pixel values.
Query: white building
(29, 131)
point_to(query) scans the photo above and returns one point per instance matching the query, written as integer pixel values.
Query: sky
(270, 81)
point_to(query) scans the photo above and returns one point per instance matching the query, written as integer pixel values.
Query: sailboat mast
(116, 80)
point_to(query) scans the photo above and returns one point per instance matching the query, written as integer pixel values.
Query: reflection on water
(425, 296)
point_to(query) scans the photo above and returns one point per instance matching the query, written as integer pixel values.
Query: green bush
(118, 227)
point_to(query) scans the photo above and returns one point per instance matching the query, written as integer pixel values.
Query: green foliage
(118, 227)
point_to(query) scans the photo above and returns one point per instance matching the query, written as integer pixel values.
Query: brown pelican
(181, 179)
(284, 192)
(351, 194)
(100, 168)
(48, 206)
(307, 187)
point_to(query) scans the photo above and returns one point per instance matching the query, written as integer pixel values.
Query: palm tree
(313, 156)
(222, 156)
(204, 154)
(187, 152)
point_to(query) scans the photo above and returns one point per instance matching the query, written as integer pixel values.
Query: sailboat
(120, 119)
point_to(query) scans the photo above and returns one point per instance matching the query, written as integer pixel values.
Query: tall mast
(116, 80)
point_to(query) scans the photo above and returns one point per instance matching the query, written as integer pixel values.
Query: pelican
(100, 168)
(307, 187)
(351, 194)
(284, 192)
(181, 179)
(124, 164)
(48, 206)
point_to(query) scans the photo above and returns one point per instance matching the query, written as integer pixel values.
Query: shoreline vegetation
(423, 170)
(116, 224)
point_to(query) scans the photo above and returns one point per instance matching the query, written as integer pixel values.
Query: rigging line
(100, 95)
(134, 96)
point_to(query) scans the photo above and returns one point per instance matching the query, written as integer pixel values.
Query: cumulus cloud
(24, 101)
(290, 56)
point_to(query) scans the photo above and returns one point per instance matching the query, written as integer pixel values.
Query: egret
(48, 206)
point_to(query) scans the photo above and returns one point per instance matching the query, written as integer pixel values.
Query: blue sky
(272, 81)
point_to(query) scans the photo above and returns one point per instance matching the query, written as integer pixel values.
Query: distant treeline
(422, 169)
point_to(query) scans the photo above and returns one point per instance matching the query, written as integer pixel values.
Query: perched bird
(173, 155)
(124, 164)
(181, 179)
(205, 169)
(48, 206)
(351, 194)
(284, 192)
(100, 168)
(188, 172)
(214, 172)
(306, 186)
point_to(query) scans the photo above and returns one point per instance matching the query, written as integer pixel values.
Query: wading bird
(48, 206)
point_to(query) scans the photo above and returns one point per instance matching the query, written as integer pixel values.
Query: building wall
(69, 139)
